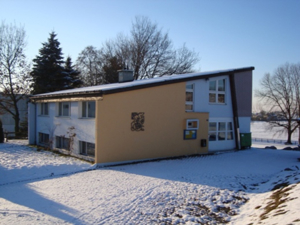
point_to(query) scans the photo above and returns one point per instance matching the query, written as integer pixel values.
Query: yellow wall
(165, 118)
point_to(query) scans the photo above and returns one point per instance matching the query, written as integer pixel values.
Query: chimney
(125, 75)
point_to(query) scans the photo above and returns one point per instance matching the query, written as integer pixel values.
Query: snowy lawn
(39, 187)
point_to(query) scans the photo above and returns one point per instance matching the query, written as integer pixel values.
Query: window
(229, 131)
(192, 124)
(64, 109)
(44, 109)
(220, 131)
(43, 138)
(88, 109)
(87, 148)
(189, 97)
(212, 131)
(217, 91)
(62, 142)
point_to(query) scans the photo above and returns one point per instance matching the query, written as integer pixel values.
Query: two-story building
(161, 117)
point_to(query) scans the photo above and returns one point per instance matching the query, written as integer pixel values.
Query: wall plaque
(138, 119)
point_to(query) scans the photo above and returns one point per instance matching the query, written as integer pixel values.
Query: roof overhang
(99, 92)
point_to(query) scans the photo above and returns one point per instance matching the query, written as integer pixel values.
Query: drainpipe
(235, 112)
(32, 125)
(298, 121)
(35, 124)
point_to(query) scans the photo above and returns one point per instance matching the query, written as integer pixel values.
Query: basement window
(87, 148)
(43, 138)
(62, 142)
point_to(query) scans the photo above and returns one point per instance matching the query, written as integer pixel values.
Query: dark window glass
(212, 85)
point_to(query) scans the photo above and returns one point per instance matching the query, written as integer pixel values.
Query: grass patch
(280, 212)
(278, 197)
(281, 185)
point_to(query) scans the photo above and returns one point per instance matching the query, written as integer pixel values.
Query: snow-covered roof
(137, 84)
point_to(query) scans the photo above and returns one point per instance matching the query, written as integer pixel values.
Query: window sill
(64, 117)
(43, 116)
(215, 103)
(91, 156)
(43, 144)
(86, 118)
(62, 149)
(220, 140)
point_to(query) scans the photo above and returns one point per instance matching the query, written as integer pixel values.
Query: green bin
(246, 140)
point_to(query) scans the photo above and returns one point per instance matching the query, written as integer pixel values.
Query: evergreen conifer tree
(72, 75)
(47, 74)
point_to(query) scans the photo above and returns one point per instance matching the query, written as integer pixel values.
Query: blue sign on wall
(189, 134)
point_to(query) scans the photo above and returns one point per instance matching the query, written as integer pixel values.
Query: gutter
(235, 112)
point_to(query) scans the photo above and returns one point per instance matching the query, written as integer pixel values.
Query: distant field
(259, 129)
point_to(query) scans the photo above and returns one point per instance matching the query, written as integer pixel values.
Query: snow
(40, 187)
(20, 163)
(260, 131)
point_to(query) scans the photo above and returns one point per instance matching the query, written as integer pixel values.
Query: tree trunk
(289, 140)
(1, 133)
(17, 125)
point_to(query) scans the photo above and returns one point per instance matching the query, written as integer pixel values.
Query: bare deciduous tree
(14, 70)
(90, 66)
(150, 52)
(281, 92)
(147, 50)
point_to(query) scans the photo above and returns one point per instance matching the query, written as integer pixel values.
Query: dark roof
(137, 84)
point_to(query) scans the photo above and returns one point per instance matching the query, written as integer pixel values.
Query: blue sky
(226, 33)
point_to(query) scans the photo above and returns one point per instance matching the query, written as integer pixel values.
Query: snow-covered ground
(260, 131)
(40, 187)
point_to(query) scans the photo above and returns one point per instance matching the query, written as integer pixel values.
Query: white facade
(219, 113)
(56, 125)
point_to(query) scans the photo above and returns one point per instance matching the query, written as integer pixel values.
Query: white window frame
(84, 148)
(60, 107)
(192, 124)
(44, 109)
(85, 110)
(189, 103)
(227, 133)
(62, 142)
(217, 93)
